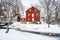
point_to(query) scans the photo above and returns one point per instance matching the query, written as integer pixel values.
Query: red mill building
(32, 15)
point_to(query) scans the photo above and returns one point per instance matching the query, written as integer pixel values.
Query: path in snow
(17, 35)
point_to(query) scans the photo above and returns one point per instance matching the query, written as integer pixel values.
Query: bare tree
(46, 5)
(49, 6)
(16, 13)
(14, 6)
(57, 15)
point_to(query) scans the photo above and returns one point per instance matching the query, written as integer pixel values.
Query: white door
(32, 19)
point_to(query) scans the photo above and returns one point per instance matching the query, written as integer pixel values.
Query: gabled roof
(32, 8)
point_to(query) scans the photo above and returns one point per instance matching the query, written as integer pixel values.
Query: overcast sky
(27, 3)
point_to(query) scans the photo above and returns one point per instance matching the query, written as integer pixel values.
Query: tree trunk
(9, 23)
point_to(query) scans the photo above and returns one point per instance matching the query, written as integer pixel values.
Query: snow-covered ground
(37, 27)
(17, 35)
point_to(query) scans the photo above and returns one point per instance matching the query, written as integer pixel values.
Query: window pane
(37, 14)
(29, 14)
(28, 19)
(32, 15)
(30, 10)
(35, 10)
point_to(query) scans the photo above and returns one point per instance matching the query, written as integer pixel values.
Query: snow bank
(36, 27)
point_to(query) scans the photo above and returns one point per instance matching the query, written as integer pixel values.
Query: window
(32, 15)
(30, 10)
(37, 14)
(35, 10)
(28, 19)
(29, 14)
(32, 19)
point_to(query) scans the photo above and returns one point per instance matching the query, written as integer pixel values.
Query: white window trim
(32, 15)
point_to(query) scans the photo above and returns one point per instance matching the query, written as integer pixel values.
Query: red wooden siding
(32, 14)
(35, 12)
